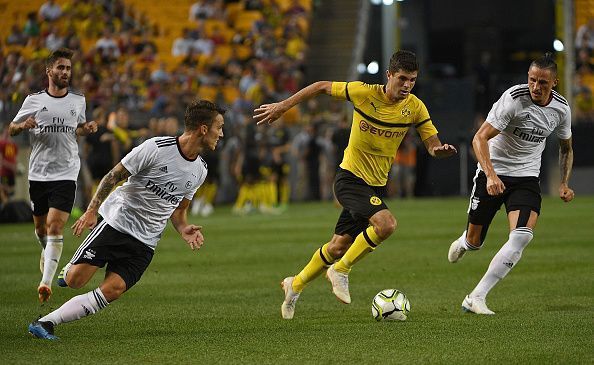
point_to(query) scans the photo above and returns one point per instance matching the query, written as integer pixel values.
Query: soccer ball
(390, 305)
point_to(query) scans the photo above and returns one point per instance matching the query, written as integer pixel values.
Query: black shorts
(51, 194)
(124, 254)
(520, 192)
(359, 200)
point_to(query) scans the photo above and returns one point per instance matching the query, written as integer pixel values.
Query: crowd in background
(584, 73)
(134, 93)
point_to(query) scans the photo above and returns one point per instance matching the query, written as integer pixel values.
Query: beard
(59, 82)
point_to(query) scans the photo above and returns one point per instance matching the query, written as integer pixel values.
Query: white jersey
(54, 150)
(161, 177)
(524, 127)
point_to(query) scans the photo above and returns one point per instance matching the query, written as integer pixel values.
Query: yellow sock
(365, 242)
(320, 260)
(210, 193)
(242, 196)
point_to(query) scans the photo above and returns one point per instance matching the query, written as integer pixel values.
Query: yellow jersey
(379, 126)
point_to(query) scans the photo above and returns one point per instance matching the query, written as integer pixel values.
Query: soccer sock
(365, 242)
(285, 191)
(242, 196)
(467, 245)
(210, 193)
(507, 257)
(320, 260)
(78, 307)
(53, 251)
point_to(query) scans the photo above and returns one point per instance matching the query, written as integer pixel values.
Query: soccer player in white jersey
(53, 117)
(163, 174)
(508, 147)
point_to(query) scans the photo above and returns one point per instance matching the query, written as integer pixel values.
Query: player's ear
(555, 82)
(203, 129)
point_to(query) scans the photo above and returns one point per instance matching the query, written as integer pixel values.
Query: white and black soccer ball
(390, 305)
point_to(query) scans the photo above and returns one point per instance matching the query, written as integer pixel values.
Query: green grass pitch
(222, 304)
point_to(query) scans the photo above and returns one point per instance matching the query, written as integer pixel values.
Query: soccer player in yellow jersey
(382, 116)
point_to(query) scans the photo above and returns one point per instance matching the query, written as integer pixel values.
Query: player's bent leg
(113, 286)
(383, 225)
(76, 308)
(77, 275)
(56, 219)
(508, 256)
(41, 234)
(470, 240)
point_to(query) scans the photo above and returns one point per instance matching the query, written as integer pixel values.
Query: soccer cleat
(288, 306)
(475, 305)
(456, 251)
(45, 292)
(43, 330)
(340, 284)
(61, 281)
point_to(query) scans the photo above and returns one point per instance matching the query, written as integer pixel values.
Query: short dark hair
(403, 60)
(546, 62)
(201, 112)
(59, 53)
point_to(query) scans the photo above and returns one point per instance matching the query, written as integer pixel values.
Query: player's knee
(55, 228)
(386, 228)
(337, 249)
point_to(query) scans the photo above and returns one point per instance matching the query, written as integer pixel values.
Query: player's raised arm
(191, 233)
(565, 164)
(109, 181)
(268, 113)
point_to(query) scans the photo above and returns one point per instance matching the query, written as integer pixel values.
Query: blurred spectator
(31, 28)
(402, 174)
(8, 164)
(16, 37)
(182, 45)
(584, 37)
(102, 150)
(202, 45)
(206, 9)
(161, 74)
(53, 40)
(583, 62)
(50, 11)
(584, 104)
(107, 46)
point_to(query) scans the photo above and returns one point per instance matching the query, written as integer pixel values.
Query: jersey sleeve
(82, 117)
(28, 109)
(140, 157)
(352, 91)
(502, 111)
(423, 122)
(563, 130)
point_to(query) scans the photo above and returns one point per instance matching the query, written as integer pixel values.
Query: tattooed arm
(109, 181)
(565, 164)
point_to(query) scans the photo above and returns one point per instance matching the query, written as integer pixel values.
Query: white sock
(502, 263)
(465, 244)
(78, 307)
(53, 251)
